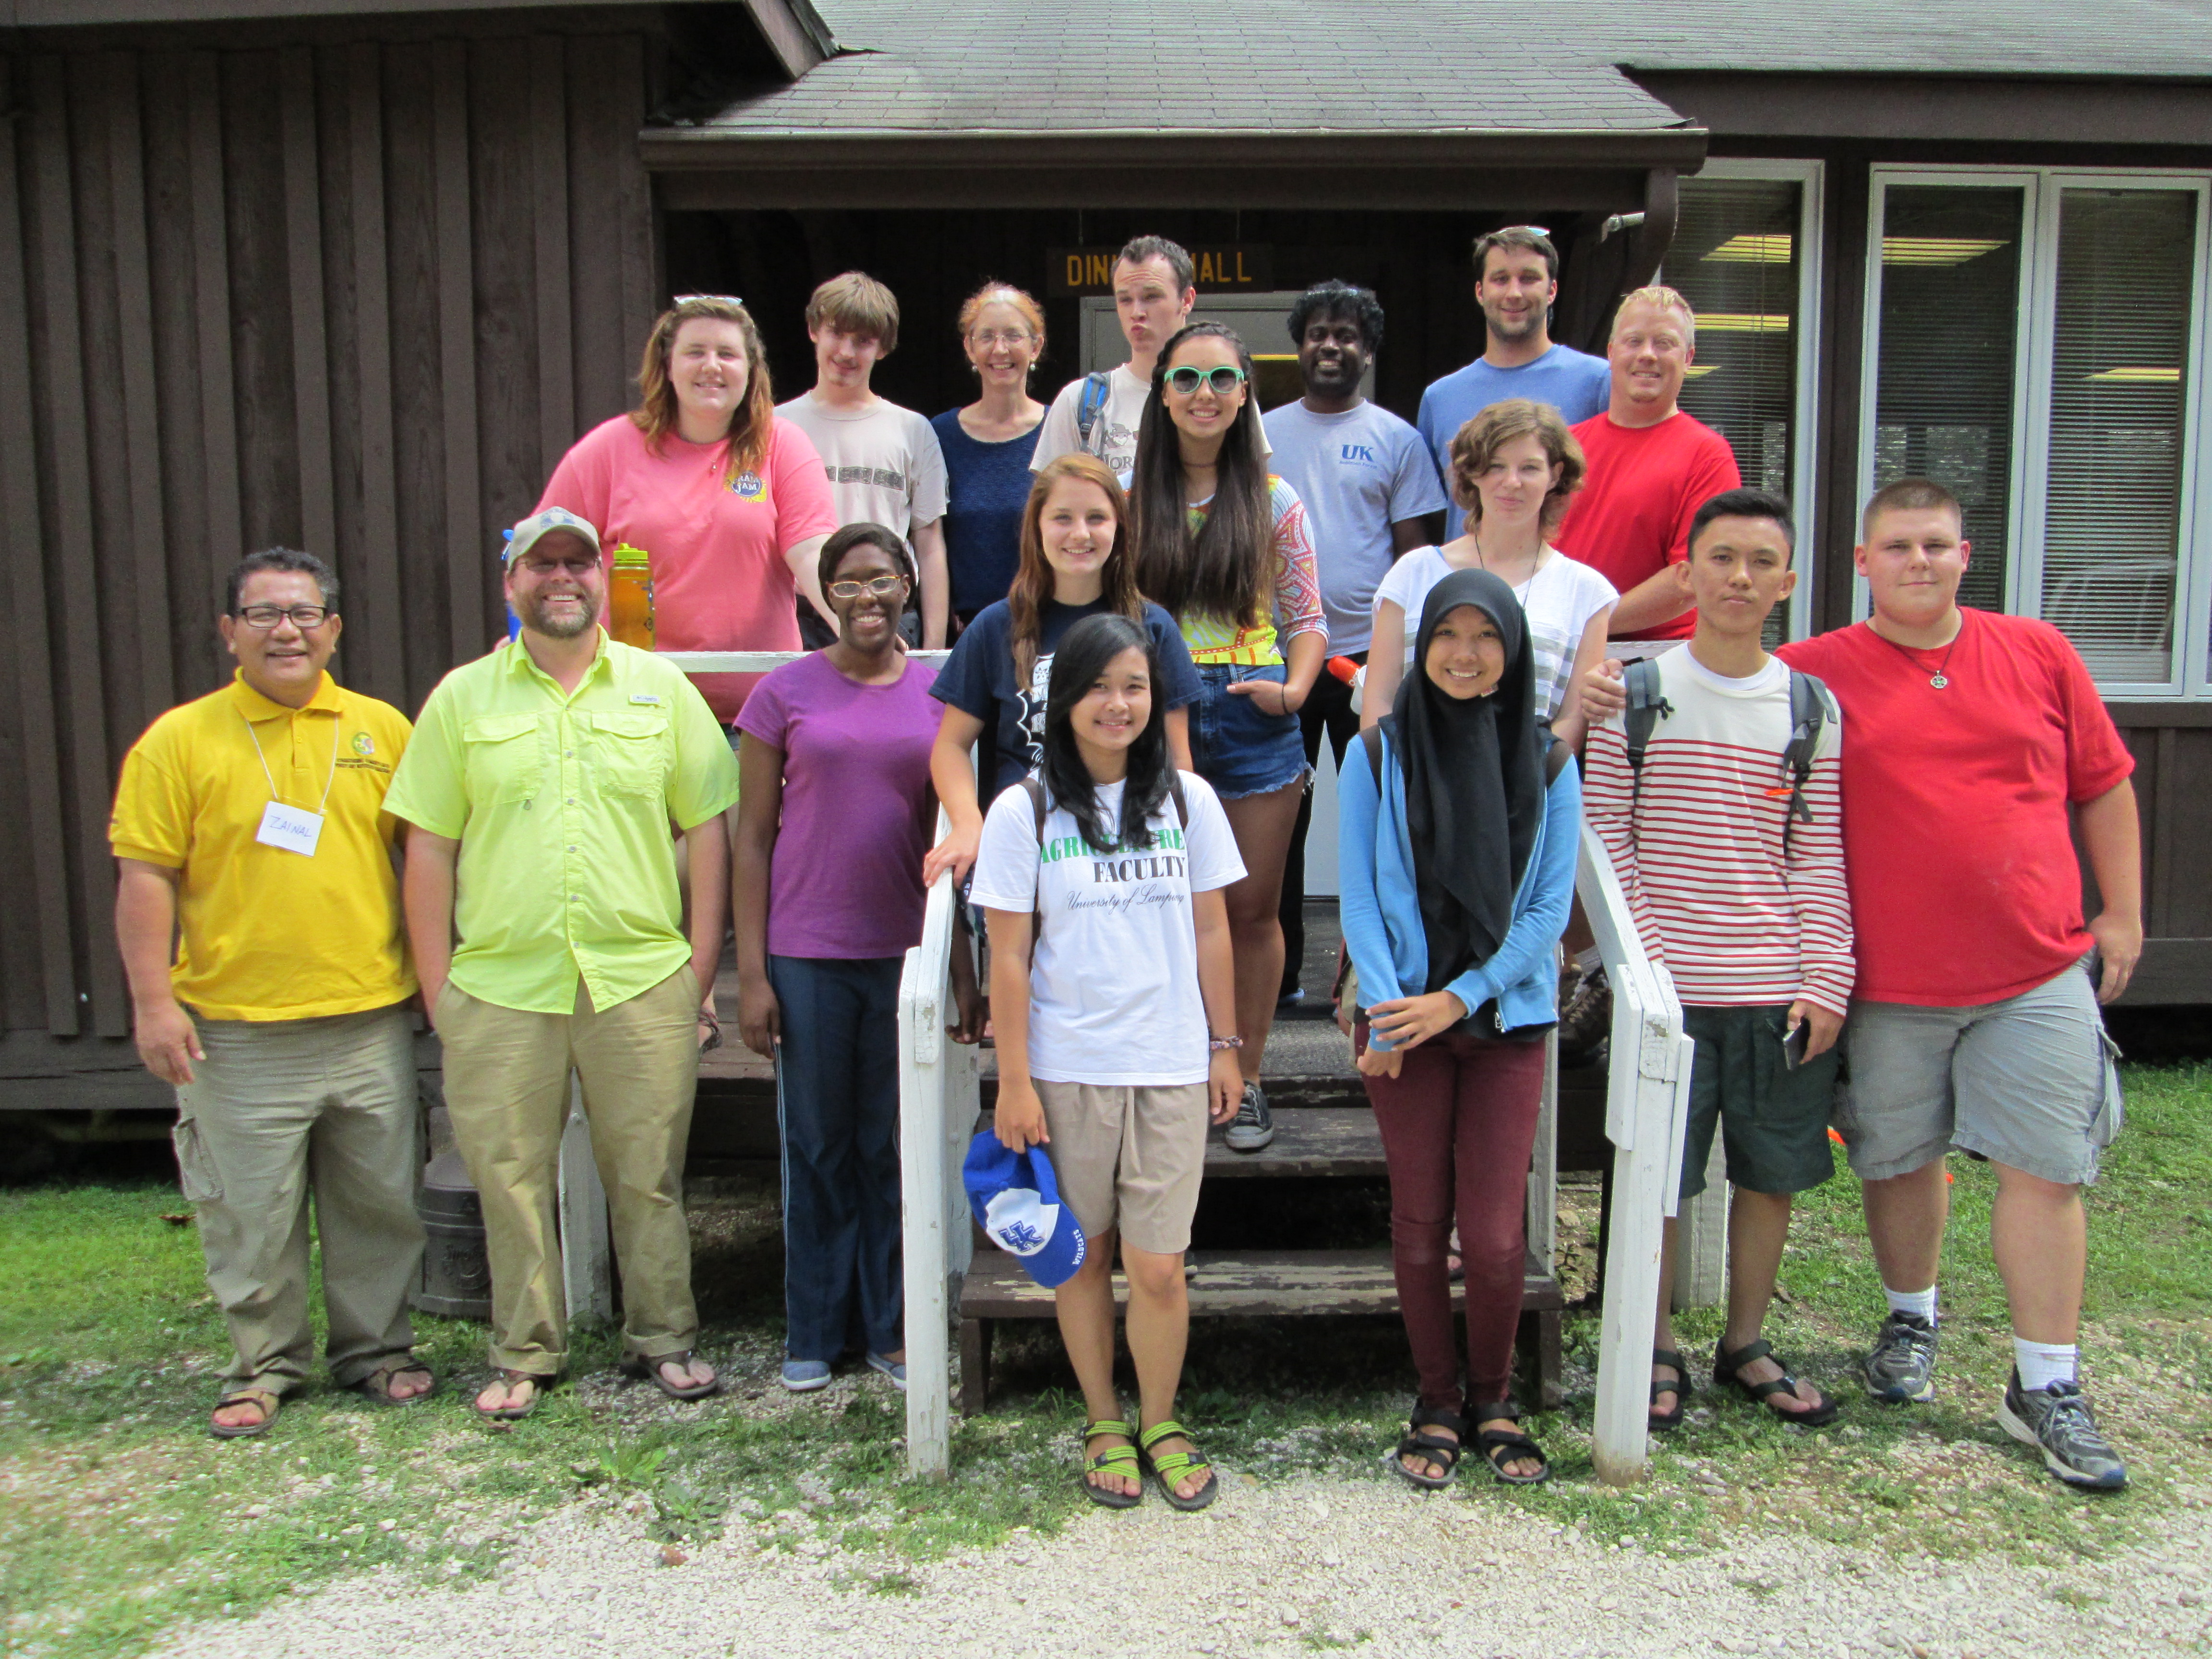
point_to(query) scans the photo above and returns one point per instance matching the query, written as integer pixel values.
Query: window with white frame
(2033, 344)
(1746, 256)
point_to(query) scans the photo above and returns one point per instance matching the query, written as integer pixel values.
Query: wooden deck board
(1249, 1283)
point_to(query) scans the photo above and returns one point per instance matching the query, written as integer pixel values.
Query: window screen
(2119, 352)
(1944, 373)
(1734, 259)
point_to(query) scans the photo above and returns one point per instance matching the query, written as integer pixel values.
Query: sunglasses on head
(1185, 381)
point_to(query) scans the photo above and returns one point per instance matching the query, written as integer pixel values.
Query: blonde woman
(988, 445)
(728, 500)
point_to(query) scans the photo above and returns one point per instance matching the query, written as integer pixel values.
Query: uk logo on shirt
(1359, 454)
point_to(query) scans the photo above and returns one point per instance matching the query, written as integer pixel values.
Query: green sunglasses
(1186, 380)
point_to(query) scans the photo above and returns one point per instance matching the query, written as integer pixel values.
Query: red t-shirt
(1964, 885)
(1631, 518)
(716, 543)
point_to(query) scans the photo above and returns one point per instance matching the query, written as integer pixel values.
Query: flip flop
(512, 1413)
(377, 1385)
(639, 1365)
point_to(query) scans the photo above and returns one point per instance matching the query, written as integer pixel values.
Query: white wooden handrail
(940, 1101)
(1646, 1105)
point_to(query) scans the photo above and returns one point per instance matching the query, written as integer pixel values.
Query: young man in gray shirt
(1369, 490)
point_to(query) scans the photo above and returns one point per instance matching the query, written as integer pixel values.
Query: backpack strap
(1175, 794)
(1090, 406)
(1034, 790)
(1811, 708)
(1646, 706)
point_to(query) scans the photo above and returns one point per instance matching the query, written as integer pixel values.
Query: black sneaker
(1902, 1367)
(2057, 1422)
(1255, 1125)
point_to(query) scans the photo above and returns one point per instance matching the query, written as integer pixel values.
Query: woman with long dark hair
(834, 812)
(1457, 847)
(1222, 543)
(1074, 563)
(1102, 878)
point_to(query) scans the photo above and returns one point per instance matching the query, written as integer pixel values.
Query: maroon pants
(1458, 1123)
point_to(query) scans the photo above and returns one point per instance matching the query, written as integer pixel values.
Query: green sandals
(1170, 1468)
(1115, 1459)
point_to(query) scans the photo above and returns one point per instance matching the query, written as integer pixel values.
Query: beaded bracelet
(1218, 1043)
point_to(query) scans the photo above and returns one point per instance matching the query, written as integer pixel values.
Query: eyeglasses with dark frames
(305, 618)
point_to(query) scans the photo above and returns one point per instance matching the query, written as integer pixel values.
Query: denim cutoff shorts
(1233, 745)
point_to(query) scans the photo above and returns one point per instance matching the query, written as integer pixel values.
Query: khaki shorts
(1129, 1157)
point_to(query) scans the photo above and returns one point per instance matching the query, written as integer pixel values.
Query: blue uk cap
(1016, 1198)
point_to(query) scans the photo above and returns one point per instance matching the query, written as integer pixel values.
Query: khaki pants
(506, 1089)
(277, 1108)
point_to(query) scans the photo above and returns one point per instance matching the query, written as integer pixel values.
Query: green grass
(124, 1518)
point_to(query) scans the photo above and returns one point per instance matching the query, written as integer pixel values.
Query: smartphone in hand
(1793, 1045)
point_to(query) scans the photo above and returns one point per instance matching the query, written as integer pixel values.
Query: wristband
(1216, 1044)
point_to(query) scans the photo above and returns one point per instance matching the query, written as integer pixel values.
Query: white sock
(1589, 961)
(1922, 1302)
(2042, 1363)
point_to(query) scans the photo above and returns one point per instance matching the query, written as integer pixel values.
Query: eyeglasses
(1186, 380)
(988, 338)
(883, 588)
(266, 616)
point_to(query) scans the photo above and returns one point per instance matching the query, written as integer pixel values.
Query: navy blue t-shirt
(988, 487)
(979, 679)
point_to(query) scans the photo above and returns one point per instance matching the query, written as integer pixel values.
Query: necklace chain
(1939, 679)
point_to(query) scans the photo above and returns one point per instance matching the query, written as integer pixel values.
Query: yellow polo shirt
(265, 934)
(562, 805)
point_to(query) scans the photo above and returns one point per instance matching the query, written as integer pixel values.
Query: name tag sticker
(289, 829)
(645, 696)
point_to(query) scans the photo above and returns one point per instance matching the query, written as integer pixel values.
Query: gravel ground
(1294, 1566)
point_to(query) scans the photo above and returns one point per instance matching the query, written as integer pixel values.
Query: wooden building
(350, 275)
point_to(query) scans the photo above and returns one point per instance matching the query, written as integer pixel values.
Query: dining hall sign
(1222, 267)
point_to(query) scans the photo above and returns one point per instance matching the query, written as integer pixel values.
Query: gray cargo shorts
(2028, 1082)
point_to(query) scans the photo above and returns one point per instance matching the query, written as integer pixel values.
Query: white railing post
(1646, 1099)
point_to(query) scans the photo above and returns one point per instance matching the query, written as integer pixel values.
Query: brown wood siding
(354, 296)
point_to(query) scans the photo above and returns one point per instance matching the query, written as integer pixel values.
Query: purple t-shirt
(845, 882)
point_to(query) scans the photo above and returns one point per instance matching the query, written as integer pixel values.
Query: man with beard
(1516, 279)
(1369, 492)
(542, 901)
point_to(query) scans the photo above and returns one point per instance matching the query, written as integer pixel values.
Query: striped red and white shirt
(1699, 851)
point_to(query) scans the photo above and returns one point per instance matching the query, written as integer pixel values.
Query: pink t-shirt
(716, 543)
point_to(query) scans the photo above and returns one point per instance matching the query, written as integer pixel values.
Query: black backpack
(1811, 708)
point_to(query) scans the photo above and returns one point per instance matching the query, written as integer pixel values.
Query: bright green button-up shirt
(562, 805)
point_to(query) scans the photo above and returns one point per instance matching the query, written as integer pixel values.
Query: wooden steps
(1250, 1284)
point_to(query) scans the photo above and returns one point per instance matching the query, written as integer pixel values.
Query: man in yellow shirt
(251, 832)
(542, 785)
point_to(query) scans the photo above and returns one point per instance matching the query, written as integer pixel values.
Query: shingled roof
(946, 66)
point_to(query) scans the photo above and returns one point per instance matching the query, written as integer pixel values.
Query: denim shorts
(2027, 1082)
(1233, 745)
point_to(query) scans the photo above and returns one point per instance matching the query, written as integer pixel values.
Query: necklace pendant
(1938, 681)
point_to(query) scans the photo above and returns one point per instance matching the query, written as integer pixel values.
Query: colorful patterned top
(1297, 593)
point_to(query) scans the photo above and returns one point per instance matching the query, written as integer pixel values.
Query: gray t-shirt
(1357, 473)
(885, 462)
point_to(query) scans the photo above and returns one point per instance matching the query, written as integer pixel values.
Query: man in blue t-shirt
(1516, 279)
(1370, 494)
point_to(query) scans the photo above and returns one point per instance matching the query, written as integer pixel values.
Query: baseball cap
(1016, 1198)
(524, 536)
